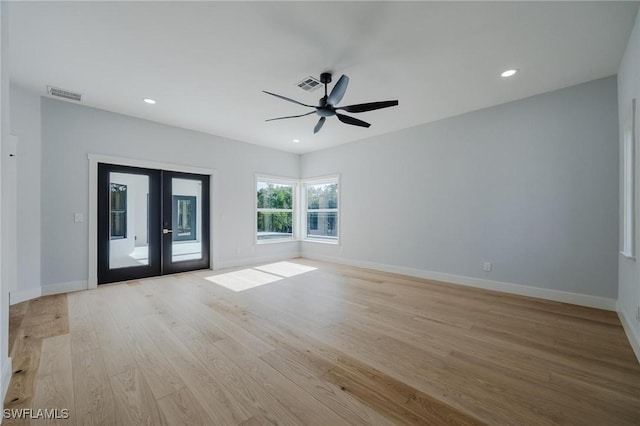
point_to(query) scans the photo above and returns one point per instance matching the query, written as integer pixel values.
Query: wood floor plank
(16, 315)
(111, 341)
(183, 408)
(309, 410)
(25, 359)
(56, 355)
(159, 373)
(242, 385)
(40, 319)
(134, 401)
(83, 337)
(257, 421)
(94, 400)
(229, 328)
(46, 317)
(342, 403)
(54, 381)
(218, 402)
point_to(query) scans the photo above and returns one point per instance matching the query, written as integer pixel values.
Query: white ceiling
(206, 63)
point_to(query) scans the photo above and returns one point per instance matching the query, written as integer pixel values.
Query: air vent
(309, 84)
(62, 93)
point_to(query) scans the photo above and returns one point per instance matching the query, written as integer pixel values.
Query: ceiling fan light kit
(328, 104)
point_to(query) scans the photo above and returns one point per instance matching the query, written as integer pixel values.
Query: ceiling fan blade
(368, 106)
(290, 116)
(350, 120)
(338, 91)
(288, 99)
(319, 125)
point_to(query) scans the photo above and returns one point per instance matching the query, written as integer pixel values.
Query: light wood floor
(332, 346)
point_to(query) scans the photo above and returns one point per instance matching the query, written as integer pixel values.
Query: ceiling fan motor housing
(325, 78)
(325, 111)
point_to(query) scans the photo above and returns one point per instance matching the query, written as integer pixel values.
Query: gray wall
(25, 124)
(628, 89)
(70, 132)
(5, 362)
(531, 186)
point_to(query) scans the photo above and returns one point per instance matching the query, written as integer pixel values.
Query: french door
(150, 222)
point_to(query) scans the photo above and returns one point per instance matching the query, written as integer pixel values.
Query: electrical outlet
(487, 266)
(77, 217)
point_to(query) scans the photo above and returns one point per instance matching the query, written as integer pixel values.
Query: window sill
(628, 256)
(267, 242)
(319, 241)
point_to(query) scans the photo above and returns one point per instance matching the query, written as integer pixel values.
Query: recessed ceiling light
(149, 101)
(509, 73)
(296, 141)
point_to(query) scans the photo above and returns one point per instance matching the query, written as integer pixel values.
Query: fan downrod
(325, 78)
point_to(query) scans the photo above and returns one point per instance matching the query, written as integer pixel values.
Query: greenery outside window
(275, 219)
(322, 210)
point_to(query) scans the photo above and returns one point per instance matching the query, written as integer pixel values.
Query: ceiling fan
(328, 104)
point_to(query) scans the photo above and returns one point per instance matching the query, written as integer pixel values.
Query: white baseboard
(5, 379)
(23, 295)
(46, 290)
(632, 335)
(519, 289)
(67, 287)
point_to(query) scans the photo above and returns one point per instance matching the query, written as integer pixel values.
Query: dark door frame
(160, 200)
(168, 266)
(154, 268)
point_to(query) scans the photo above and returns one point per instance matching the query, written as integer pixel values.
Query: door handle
(167, 231)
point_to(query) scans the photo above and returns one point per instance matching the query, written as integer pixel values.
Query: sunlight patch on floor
(243, 279)
(285, 269)
(249, 278)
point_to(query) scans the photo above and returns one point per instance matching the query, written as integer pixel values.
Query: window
(118, 211)
(628, 178)
(321, 209)
(275, 209)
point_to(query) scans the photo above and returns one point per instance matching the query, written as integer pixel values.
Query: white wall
(629, 270)
(530, 186)
(70, 132)
(25, 124)
(9, 213)
(5, 361)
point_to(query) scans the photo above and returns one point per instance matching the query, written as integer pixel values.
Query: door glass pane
(128, 220)
(186, 212)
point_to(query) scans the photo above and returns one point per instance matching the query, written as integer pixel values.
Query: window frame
(122, 213)
(305, 209)
(295, 183)
(628, 240)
